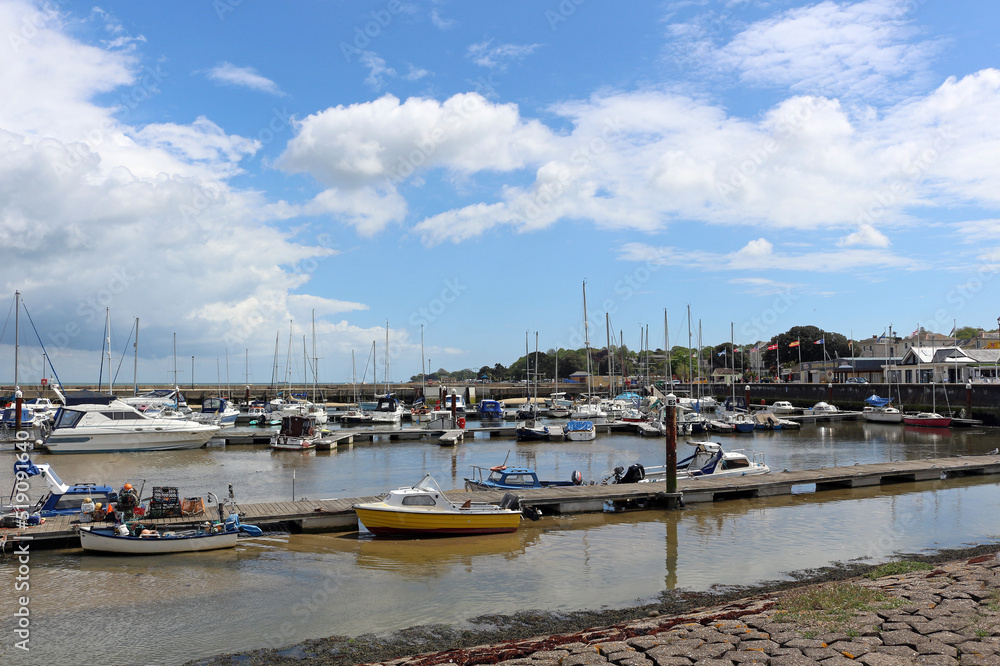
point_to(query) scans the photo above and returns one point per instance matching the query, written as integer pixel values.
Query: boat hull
(99, 540)
(942, 422)
(883, 417)
(389, 522)
(128, 440)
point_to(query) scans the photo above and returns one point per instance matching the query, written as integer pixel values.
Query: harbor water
(280, 589)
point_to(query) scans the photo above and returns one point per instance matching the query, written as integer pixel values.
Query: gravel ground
(343, 650)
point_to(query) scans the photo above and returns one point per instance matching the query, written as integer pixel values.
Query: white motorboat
(118, 427)
(388, 410)
(305, 408)
(783, 407)
(580, 431)
(879, 410)
(822, 408)
(709, 459)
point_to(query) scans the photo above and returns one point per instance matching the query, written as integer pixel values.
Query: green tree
(966, 333)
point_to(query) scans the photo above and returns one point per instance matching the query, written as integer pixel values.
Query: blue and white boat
(580, 431)
(217, 411)
(62, 499)
(491, 410)
(502, 477)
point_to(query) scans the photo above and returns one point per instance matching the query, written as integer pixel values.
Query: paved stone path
(949, 615)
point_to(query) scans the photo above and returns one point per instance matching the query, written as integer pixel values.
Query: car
(856, 380)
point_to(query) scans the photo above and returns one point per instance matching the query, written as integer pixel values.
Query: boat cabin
(298, 426)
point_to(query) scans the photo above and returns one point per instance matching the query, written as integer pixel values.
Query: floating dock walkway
(337, 515)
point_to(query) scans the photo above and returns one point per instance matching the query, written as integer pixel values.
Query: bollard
(671, 442)
(18, 401)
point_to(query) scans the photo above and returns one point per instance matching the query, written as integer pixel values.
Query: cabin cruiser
(117, 427)
(388, 410)
(308, 409)
(216, 411)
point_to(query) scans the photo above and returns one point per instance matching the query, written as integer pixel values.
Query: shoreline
(445, 644)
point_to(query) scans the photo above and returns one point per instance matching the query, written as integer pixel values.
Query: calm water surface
(281, 589)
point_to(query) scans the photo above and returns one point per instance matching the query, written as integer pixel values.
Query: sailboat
(388, 409)
(929, 419)
(589, 410)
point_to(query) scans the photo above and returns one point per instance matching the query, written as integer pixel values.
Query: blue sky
(220, 170)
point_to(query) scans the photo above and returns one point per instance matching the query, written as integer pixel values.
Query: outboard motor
(617, 473)
(576, 477)
(635, 474)
(510, 501)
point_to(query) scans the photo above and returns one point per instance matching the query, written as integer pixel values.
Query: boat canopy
(876, 401)
(579, 426)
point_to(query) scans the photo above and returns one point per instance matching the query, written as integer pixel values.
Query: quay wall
(982, 401)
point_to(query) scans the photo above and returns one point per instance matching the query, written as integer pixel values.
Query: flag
(794, 344)
(721, 353)
(770, 347)
(914, 332)
(820, 341)
(850, 344)
(882, 337)
(753, 349)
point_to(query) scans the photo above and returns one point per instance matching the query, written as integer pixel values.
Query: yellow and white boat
(423, 509)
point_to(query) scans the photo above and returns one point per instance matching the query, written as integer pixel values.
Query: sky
(230, 172)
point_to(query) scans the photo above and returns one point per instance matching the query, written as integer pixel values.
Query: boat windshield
(428, 483)
(67, 418)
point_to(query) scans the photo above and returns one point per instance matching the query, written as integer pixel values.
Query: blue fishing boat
(502, 477)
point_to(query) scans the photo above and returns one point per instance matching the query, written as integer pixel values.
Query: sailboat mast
(107, 325)
(536, 369)
(586, 340)
(354, 377)
(315, 358)
(135, 362)
(387, 357)
(17, 332)
(423, 380)
(175, 360)
(288, 356)
(666, 350)
(611, 356)
(690, 356)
